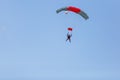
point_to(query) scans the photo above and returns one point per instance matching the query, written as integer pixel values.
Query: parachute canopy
(70, 29)
(75, 10)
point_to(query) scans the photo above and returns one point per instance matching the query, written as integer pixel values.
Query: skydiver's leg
(70, 40)
(66, 39)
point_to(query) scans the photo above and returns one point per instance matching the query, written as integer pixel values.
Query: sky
(33, 46)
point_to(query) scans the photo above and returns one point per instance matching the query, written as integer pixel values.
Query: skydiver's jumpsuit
(69, 37)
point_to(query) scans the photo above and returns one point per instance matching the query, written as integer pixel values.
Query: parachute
(75, 10)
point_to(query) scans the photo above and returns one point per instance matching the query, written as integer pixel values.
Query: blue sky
(33, 47)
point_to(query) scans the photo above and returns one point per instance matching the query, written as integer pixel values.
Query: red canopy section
(73, 9)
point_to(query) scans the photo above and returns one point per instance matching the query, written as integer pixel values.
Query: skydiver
(69, 37)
